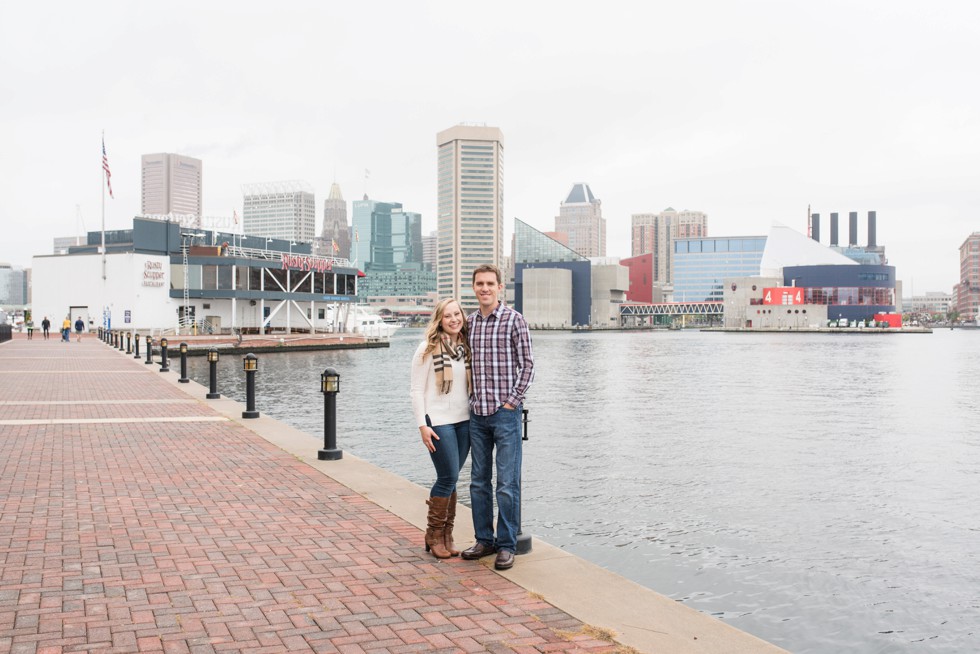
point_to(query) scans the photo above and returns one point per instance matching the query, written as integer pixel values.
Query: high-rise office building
(471, 207)
(335, 227)
(14, 282)
(967, 292)
(388, 248)
(430, 243)
(580, 216)
(285, 210)
(656, 232)
(171, 185)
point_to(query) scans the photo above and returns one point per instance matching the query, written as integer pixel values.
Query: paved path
(133, 518)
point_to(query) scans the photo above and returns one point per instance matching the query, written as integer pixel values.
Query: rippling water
(818, 491)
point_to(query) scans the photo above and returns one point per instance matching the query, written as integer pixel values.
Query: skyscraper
(285, 210)
(580, 216)
(335, 227)
(429, 246)
(967, 292)
(656, 232)
(470, 204)
(389, 250)
(171, 185)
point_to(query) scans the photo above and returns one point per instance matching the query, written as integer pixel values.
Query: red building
(641, 278)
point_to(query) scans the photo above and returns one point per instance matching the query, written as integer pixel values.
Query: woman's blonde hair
(433, 331)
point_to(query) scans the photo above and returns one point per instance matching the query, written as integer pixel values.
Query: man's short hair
(487, 267)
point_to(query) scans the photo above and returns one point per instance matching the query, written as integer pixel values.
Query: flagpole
(102, 184)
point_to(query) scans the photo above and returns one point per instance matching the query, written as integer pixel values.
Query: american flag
(336, 248)
(105, 167)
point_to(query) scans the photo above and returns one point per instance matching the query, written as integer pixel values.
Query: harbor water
(819, 491)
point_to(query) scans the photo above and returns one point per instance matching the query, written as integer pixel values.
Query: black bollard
(136, 346)
(122, 342)
(129, 342)
(523, 540)
(213, 393)
(149, 350)
(112, 339)
(100, 333)
(164, 363)
(330, 386)
(251, 366)
(183, 364)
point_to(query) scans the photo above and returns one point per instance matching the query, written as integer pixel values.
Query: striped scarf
(442, 362)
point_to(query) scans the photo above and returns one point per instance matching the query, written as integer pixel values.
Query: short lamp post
(129, 342)
(136, 346)
(115, 339)
(524, 542)
(213, 393)
(330, 386)
(164, 363)
(122, 342)
(251, 363)
(149, 350)
(183, 364)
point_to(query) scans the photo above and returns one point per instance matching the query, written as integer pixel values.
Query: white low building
(162, 277)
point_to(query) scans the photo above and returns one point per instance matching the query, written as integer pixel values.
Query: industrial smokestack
(833, 230)
(853, 220)
(815, 227)
(872, 229)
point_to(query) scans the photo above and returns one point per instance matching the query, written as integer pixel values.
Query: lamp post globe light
(183, 364)
(164, 364)
(330, 386)
(251, 366)
(213, 393)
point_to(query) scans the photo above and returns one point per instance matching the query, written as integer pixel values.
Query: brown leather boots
(439, 534)
(450, 520)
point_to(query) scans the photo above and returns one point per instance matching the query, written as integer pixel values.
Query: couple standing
(469, 377)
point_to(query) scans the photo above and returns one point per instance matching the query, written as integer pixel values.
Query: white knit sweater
(442, 408)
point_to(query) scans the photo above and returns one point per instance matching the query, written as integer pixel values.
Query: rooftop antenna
(79, 220)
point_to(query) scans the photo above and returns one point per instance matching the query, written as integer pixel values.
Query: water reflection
(817, 491)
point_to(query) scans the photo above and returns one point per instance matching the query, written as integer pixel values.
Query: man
(79, 328)
(66, 330)
(45, 325)
(503, 369)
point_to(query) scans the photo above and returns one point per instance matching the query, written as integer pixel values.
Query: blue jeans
(502, 431)
(452, 448)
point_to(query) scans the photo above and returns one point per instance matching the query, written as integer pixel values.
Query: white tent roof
(788, 247)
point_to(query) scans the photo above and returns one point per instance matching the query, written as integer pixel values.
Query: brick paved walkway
(122, 532)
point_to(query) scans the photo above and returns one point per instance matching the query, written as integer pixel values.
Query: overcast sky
(748, 111)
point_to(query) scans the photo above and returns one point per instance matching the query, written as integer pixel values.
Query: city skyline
(749, 113)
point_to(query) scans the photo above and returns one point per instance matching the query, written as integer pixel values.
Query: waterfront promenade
(136, 516)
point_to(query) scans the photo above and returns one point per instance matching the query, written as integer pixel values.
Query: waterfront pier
(138, 516)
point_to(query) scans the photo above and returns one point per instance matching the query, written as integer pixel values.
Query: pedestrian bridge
(633, 314)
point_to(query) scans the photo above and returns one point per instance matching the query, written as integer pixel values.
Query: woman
(440, 389)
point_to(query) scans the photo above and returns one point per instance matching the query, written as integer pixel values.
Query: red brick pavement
(202, 537)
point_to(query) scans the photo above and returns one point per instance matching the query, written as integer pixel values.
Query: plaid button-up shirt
(502, 364)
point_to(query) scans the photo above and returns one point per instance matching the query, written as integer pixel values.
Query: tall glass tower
(471, 207)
